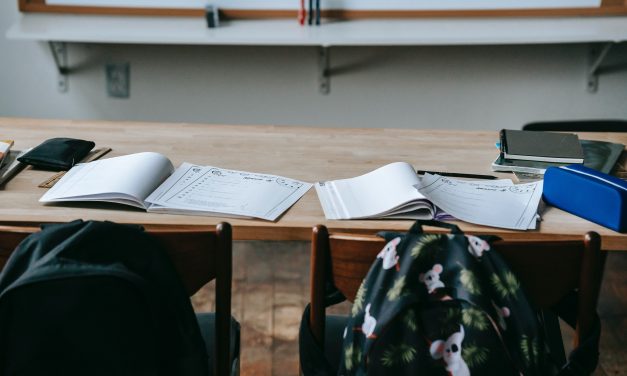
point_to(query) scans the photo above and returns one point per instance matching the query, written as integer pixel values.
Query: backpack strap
(313, 361)
(584, 359)
(416, 228)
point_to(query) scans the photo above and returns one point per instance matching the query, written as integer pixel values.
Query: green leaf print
(512, 283)
(395, 355)
(469, 281)
(452, 314)
(422, 244)
(449, 321)
(474, 355)
(529, 349)
(508, 286)
(358, 304)
(410, 320)
(396, 289)
(475, 318)
(352, 357)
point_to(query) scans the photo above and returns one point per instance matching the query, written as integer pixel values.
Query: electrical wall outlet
(118, 79)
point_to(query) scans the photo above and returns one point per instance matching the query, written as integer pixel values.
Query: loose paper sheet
(207, 190)
(485, 203)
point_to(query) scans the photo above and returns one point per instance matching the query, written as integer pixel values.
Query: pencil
(301, 13)
(457, 175)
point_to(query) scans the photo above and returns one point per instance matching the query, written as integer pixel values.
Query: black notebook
(541, 146)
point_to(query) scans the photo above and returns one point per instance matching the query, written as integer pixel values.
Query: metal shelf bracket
(59, 52)
(324, 70)
(597, 55)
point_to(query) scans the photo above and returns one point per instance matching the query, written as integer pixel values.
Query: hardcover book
(598, 155)
(541, 146)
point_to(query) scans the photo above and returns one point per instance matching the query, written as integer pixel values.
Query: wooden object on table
(303, 153)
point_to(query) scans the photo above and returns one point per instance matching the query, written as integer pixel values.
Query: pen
(310, 13)
(457, 175)
(317, 12)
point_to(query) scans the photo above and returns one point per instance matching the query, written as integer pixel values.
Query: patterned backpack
(442, 304)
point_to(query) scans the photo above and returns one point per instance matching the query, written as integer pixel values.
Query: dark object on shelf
(212, 14)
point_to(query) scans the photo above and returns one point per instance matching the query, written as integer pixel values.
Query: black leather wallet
(58, 153)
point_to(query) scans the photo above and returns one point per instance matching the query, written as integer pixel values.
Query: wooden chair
(578, 126)
(549, 270)
(199, 255)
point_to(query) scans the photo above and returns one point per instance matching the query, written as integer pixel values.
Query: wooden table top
(303, 153)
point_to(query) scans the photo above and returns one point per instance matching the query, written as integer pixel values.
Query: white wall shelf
(287, 32)
(66, 28)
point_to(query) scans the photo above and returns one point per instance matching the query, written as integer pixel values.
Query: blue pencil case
(590, 194)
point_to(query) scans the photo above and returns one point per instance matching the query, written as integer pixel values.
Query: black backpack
(96, 298)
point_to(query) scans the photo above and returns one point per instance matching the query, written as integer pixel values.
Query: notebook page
(211, 190)
(484, 203)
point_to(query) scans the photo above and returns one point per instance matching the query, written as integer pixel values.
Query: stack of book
(533, 152)
(9, 165)
(5, 147)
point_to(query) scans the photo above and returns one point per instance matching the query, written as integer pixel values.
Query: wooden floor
(271, 287)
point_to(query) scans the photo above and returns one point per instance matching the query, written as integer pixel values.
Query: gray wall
(481, 87)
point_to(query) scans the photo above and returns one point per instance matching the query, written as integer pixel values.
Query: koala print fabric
(441, 304)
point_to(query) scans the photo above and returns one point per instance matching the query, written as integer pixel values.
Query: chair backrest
(199, 255)
(578, 126)
(548, 270)
(10, 237)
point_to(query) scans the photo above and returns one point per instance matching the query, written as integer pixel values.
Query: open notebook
(395, 191)
(387, 192)
(149, 181)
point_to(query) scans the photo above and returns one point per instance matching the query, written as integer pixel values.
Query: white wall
(484, 87)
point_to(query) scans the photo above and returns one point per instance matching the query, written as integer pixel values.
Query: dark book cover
(598, 155)
(541, 146)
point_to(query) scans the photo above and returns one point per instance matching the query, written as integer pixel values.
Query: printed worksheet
(485, 203)
(205, 190)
